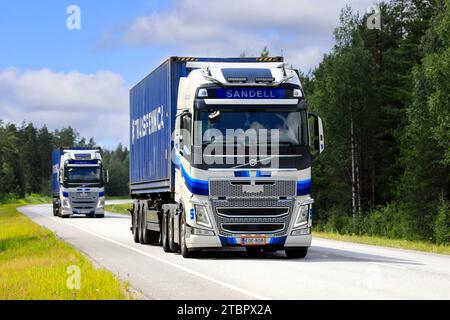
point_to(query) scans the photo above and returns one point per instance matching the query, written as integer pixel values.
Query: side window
(185, 141)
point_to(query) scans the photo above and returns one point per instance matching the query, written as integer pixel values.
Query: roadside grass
(386, 242)
(34, 263)
(119, 208)
(117, 197)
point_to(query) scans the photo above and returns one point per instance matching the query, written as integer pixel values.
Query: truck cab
(241, 153)
(78, 182)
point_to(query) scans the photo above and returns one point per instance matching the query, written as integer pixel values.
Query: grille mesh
(263, 189)
(252, 203)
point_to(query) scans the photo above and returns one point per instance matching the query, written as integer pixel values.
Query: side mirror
(105, 176)
(316, 135)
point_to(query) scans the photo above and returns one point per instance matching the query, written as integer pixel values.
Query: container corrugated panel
(56, 156)
(152, 119)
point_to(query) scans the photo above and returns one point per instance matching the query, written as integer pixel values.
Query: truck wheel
(100, 216)
(164, 232)
(185, 252)
(296, 253)
(136, 224)
(171, 234)
(55, 211)
(145, 234)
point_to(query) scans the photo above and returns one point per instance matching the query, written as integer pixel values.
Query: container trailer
(220, 156)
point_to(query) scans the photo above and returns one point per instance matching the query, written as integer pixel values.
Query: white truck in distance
(221, 152)
(78, 182)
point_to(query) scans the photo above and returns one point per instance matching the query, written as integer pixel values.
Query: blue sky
(59, 77)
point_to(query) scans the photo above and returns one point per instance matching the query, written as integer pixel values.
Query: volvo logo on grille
(252, 188)
(253, 162)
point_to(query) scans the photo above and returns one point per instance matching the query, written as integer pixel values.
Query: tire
(135, 224)
(99, 216)
(55, 210)
(295, 253)
(145, 234)
(171, 234)
(164, 232)
(185, 252)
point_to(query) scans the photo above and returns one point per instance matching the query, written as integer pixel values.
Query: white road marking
(195, 273)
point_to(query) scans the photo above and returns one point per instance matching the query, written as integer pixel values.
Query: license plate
(253, 241)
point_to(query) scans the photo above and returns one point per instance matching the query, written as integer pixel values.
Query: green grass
(119, 208)
(386, 242)
(34, 262)
(117, 197)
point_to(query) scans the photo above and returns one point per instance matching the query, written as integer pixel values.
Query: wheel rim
(183, 236)
(170, 229)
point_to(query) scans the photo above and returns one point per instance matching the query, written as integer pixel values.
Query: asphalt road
(332, 269)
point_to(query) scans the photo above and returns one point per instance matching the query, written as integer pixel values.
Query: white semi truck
(221, 152)
(78, 182)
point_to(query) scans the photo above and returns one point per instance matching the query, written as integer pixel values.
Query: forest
(384, 98)
(26, 154)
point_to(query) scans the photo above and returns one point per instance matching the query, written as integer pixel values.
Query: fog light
(301, 232)
(202, 232)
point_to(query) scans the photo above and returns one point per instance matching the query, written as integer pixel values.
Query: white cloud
(94, 104)
(207, 28)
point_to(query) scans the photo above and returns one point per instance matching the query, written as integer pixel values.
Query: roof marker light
(237, 79)
(265, 79)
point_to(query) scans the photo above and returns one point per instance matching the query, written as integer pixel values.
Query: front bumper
(211, 242)
(93, 211)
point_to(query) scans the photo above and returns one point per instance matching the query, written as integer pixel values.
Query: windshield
(291, 126)
(83, 174)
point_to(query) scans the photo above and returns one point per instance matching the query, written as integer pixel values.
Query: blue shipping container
(153, 107)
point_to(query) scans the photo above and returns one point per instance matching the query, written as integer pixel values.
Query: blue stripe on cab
(241, 174)
(303, 187)
(195, 186)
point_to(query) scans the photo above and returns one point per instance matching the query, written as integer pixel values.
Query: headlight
(65, 203)
(302, 216)
(201, 215)
(101, 203)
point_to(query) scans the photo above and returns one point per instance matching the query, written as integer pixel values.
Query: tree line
(26, 159)
(384, 98)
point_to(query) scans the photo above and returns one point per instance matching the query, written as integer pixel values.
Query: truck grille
(252, 212)
(253, 216)
(83, 201)
(225, 188)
